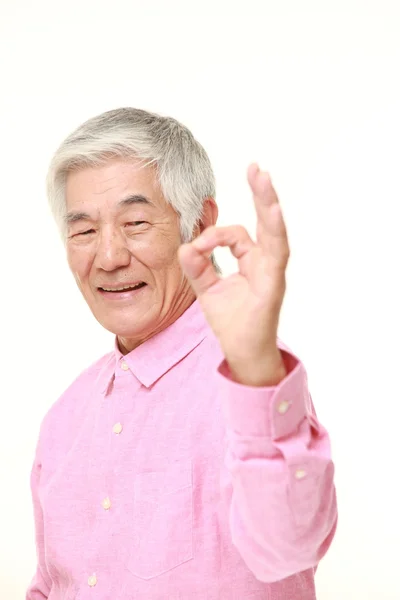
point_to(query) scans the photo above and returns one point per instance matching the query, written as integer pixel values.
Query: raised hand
(243, 309)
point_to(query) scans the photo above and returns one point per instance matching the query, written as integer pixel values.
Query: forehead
(106, 185)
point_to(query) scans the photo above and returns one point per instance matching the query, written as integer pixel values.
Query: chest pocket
(162, 520)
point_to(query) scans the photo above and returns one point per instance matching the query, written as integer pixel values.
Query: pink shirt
(159, 478)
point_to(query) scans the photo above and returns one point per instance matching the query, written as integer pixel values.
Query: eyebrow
(134, 199)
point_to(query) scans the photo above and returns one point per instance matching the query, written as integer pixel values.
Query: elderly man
(188, 463)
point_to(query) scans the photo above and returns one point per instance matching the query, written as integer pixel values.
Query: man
(188, 463)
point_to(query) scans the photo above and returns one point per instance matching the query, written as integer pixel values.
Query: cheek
(79, 263)
(161, 254)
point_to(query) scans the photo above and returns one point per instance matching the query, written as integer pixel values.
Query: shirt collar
(152, 359)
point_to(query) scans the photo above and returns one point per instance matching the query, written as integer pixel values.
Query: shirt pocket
(162, 520)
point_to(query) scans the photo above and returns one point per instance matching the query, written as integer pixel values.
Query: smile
(123, 288)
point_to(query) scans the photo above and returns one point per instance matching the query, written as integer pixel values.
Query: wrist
(265, 371)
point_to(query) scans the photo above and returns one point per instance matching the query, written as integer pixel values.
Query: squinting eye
(85, 232)
(137, 223)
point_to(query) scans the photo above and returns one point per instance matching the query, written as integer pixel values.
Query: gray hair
(184, 171)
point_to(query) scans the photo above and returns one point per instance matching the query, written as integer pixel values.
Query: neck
(175, 310)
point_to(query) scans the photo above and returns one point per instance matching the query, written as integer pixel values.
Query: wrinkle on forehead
(114, 181)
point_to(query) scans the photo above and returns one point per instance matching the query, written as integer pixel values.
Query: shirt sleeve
(280, 491)
(40, 585)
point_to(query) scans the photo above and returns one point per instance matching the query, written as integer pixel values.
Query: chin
(124, 328)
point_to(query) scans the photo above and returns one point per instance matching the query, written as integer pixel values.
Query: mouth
(121, 292)
(122, 288)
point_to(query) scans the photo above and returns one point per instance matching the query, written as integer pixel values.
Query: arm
(40, 586)
(281, 497)
(282, 505)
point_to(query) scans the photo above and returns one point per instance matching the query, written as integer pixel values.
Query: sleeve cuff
(272, 412)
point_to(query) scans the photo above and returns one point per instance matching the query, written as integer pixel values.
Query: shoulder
(73, 402)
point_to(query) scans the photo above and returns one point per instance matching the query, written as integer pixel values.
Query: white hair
(183, 168)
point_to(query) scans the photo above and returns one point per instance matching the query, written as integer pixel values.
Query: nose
(112, 252)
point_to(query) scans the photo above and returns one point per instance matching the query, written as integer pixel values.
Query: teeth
(121, 289)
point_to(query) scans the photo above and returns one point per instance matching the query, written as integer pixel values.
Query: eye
(135, 226)
(83, 233)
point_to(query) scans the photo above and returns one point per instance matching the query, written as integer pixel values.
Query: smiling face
(122, 244)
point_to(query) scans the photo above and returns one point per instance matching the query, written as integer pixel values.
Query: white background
(310, 89)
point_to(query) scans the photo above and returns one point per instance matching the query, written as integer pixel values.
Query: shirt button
(300, 474)
(124, 366)
(106, 504)
(283, 407)
(117, 428)
(92, 580)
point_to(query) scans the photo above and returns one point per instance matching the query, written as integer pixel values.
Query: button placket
(124, 385)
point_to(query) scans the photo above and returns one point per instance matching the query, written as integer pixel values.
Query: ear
(210, 214)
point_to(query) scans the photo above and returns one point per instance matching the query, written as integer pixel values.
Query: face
(122, 244)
